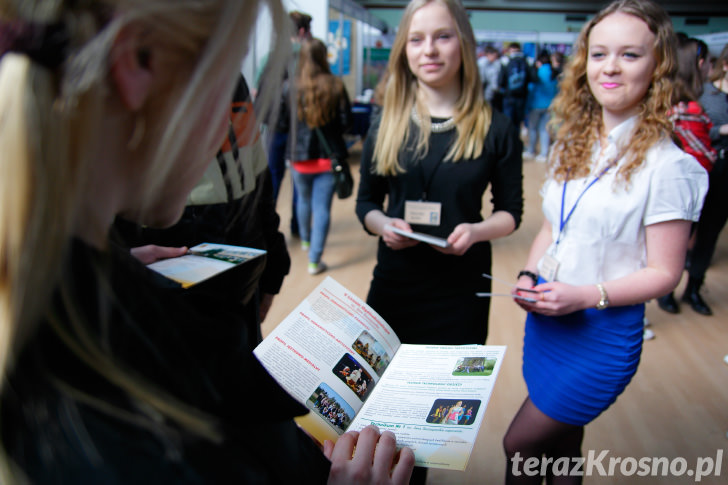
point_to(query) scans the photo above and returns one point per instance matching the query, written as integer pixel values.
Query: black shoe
(697, 303)
(668, 303)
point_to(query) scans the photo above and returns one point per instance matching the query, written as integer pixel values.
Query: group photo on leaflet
(355, 242)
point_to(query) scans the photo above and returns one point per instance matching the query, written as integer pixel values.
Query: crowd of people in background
(523, 88)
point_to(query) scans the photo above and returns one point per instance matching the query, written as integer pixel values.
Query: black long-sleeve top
(428, 296)
(459, 186)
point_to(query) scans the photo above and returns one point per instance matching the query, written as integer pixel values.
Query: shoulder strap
(323, 142)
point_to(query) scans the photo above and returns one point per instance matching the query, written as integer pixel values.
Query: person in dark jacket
(514, 78)
(322, 116)
(232, 204)
(714, 101)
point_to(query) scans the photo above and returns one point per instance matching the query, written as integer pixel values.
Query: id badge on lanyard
(549, 267)
(422, 212)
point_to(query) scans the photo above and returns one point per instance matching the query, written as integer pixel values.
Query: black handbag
(343, 181)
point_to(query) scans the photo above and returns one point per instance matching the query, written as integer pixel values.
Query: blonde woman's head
(468, 73)
(124, 123)
(471, 114)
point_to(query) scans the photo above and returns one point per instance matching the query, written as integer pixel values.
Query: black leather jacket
(303, 142)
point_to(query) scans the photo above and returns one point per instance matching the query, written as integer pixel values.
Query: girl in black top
(434, 164)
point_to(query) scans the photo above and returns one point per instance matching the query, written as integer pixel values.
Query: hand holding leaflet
(530, 299)
(204, 261)
(436, 241)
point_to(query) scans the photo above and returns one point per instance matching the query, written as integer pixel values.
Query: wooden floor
(676, 405)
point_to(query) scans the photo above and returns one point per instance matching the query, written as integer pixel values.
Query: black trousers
(712, 220)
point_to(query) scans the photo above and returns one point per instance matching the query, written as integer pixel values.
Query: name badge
(425, 213)
(548, 268)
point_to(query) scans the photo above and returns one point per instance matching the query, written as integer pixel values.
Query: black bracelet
(530, 274)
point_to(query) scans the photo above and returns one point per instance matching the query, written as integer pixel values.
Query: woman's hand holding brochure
(531, 297)
(435, 241)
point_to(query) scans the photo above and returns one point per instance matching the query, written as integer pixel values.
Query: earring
(137, 135)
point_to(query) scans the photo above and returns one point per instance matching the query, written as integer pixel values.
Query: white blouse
(604, 239)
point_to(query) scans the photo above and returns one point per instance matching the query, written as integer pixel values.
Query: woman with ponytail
(109, 374)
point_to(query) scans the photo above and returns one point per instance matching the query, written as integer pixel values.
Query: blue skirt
(576, 365)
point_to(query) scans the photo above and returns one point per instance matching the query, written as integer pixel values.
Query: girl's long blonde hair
(318, 91)
(577, 117)
(472, 114)
(48, 132)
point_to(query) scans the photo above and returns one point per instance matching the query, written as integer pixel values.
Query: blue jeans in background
(537, 132)
(515, 109)
(313, 209)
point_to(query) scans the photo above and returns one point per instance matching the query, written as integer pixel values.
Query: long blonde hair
(577, 116)
(318, 91)
(49, 129)
(472, 114)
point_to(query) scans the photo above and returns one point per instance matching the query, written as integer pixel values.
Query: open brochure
(337, 356)
(204, 261)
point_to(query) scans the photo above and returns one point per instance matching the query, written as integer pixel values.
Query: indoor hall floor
(675, 407)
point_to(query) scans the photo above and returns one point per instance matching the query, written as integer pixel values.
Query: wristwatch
(603, 297)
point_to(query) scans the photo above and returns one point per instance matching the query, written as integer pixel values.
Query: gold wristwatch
(603, 297)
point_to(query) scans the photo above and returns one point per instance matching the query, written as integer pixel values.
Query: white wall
(261, 40)
(716, 42)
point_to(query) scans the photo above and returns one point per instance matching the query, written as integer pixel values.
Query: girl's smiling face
(620, 65)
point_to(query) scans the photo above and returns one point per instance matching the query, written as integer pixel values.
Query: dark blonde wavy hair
(688, 82)
(577, 116)
(319, 92)
(720, 65)
(472, 113)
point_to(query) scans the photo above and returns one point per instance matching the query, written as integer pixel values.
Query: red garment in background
(317, 165)
(692, 126)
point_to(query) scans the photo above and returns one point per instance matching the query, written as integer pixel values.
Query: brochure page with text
(337, 356)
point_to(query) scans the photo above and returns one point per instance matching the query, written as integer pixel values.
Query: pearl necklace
(441, 127)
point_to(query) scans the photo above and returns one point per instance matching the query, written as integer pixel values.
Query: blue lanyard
(563, 221)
